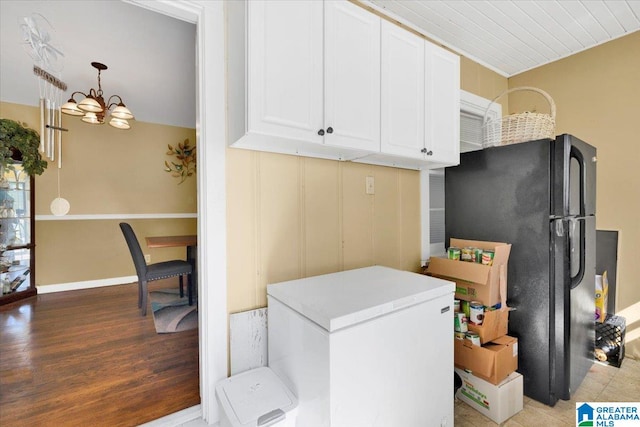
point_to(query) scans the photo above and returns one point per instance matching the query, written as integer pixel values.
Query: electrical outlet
(147, 258)
(370, 185)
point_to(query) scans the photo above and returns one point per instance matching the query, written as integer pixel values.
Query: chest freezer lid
(255, 398)
(338, 300)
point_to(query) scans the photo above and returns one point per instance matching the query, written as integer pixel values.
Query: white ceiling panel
(635, 9)
(623, 13)
(480, 26)
(574, 35)
(606, 20)
(513, 36)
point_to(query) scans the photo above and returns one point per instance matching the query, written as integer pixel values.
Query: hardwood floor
(87, 358)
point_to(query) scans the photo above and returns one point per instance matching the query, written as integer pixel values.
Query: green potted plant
(19, 143)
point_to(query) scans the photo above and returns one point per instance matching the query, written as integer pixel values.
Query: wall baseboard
(189, 415)
(87, 284)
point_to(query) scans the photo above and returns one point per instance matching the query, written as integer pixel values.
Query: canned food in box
(464, 307)
(461, 323)
(453, 253)
(476, 312)
(456, 306)
(487, 257)
(476, 256)
(473, 337)
(466, 254)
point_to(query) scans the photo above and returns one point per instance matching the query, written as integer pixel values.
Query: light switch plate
(370, 185)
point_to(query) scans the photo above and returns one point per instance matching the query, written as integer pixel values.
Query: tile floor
(602, 384)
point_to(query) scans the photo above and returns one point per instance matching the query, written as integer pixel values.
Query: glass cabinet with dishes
(17, 248)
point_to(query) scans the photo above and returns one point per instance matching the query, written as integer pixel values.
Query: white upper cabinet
(330, 79)
(352, 76)
(420, 88)
(303, 78)
(442, 105)
(402, 92)
(285, 74)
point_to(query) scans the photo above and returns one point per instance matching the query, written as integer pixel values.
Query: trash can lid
(255, 398)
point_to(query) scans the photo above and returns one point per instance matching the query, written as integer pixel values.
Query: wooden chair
(160, 270)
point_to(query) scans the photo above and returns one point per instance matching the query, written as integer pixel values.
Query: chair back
(134, 248)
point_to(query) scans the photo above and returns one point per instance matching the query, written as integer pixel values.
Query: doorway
(211, 144)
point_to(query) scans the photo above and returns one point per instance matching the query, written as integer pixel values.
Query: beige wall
(483, 82)
(597, 94)
(292, 217)
(106, 171)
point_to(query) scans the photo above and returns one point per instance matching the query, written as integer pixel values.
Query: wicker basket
(519, 127)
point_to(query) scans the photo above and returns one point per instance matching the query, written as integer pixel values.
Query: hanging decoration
(37, 34)
(185, 154)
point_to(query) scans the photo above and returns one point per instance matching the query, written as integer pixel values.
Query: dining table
(190, 241)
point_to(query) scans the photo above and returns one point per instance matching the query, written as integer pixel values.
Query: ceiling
(513, 36)
(151, 57)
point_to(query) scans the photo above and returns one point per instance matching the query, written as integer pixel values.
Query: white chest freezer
(365, 347)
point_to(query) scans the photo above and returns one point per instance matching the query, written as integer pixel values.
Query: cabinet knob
(321, 132)
(429, 153)
(424, 150)
(329, 129)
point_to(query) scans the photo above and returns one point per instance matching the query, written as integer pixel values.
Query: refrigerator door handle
(577, 279)
(576, 154)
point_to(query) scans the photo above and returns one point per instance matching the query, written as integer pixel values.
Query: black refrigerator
(540, 196)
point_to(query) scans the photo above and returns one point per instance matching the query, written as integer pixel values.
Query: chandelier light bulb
(71, 108)
(120, 123)
(90, 104)
(122, 112)
(91, 118)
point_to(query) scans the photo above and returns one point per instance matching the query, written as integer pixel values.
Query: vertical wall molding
(340, 190)
(399, 203)
(257, 267)
(302, 214)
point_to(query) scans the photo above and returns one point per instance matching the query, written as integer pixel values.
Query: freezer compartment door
(573, 275)
(574, 177)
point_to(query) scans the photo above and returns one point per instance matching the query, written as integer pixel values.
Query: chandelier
(94, 109)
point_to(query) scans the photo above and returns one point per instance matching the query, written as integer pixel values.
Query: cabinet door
(352, 76)
(442, 105)
(285, 64)
(402, 92)
(17, 262)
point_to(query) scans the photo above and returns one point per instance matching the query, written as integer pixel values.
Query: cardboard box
(476, 282)
(494, 325)
(498, 402)
(493, 362)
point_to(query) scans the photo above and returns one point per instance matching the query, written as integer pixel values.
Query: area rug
(172, 313)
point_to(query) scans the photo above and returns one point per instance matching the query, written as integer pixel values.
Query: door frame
(208, 16)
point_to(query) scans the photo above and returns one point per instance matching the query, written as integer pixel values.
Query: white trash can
(256, 398)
